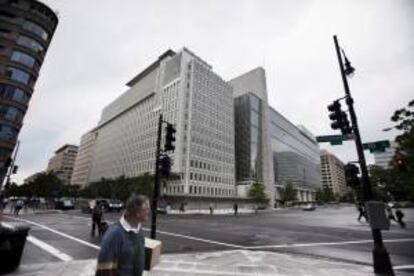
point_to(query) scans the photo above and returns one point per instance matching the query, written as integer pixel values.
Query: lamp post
(382, 262)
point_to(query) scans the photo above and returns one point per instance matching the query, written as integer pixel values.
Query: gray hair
(134, 204)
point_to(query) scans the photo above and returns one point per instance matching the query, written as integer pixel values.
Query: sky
(99, 45)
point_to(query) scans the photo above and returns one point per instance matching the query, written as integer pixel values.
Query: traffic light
(165, 165)
(400, 163)
(15, 168)
(351, 175)
(169, 138)
(339, 118)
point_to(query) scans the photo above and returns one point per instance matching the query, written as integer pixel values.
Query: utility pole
(382, 262)
(11, 167)
(156, 181)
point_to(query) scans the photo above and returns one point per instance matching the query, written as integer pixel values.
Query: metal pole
(382, 262)
(156, 181)
(13, 161)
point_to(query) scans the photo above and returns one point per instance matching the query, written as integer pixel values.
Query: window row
(8, 133)
(12, 93)
(27, 25)
(209, 191)
(11, 113)
(25, 59)
(211, 178)
(31, 44)
(20, 76)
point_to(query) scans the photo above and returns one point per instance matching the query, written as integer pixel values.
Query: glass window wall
(23, 58)
(31, 44)
(18, 75)
(13, 93)
(7, 133)
(37, 29)
(10, 113)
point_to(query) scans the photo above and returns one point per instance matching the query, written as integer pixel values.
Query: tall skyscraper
(333, 174)
(197, 102)
(26, 29)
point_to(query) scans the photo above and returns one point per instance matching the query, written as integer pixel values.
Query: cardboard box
(152, 253)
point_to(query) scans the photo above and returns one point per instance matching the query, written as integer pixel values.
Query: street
(328, 232)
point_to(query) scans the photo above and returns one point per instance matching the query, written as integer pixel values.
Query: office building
(385, 159)
(269, 148)
(333, 174)
(62, 162)
(26, 29)
(83, 160)
(189, 95)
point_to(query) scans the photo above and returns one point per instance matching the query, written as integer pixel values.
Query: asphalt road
(331, 232)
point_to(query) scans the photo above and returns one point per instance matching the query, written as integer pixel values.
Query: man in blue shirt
(123, 248)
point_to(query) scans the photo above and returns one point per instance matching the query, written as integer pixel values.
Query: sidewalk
(224, 263)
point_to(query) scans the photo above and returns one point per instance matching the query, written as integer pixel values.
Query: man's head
(137, 209)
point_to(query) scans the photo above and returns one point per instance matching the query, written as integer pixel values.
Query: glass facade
(13, 93)
(23, 58)
(31, 44)
(248, 131)
(35, 28)
(296, 155)
(18, 75)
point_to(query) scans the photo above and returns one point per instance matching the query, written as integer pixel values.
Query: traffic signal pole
(382, 262)
(156, 181)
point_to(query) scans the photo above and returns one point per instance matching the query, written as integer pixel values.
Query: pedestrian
(235, 208)
(182, 210)
(390, 214)
(18, 207)
(211, 209)
(362, 213)
(400, 216)
(96, 219)
(123, 248)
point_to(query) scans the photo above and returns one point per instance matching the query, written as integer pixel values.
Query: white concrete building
(83, 159)
(197, 101)
(333, 174)
(62, 162)
(383, 159)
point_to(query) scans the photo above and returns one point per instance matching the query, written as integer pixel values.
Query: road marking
(402, 267)
(50, 249)
(325, 243)
(47, 247)
(57, 232)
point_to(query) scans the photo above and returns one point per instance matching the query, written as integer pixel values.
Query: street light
(382, 262)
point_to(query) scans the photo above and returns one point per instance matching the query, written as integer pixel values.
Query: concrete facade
(83, 160)
(333, 174)
(62, 162)
(197, 102)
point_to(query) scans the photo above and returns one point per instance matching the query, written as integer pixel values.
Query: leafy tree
(288, 193)
(325, 195)
(257, 193)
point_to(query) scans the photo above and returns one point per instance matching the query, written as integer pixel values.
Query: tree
(288, 193)
(257, 193)
(325, 195)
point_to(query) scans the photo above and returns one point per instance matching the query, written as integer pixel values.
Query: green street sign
(378, 146)
(333, 139)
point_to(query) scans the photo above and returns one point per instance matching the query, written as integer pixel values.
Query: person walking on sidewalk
(362, 213)
(400, 216)
(123, 246)
(18, 207)
(390, 214)
(96, 219)
(235, 208)
(211, 209)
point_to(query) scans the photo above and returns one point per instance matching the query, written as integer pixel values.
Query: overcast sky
(100, 45)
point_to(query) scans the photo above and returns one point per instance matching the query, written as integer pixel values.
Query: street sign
(378, 146)
(334, 139)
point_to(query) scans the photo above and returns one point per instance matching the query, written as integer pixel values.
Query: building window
(35, 28)
(7, 133)
(31, 44)
(10, 113)
(13, 93)
(23, 58)
(18, 75)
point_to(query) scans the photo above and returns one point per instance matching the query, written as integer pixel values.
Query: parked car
(309, 207)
